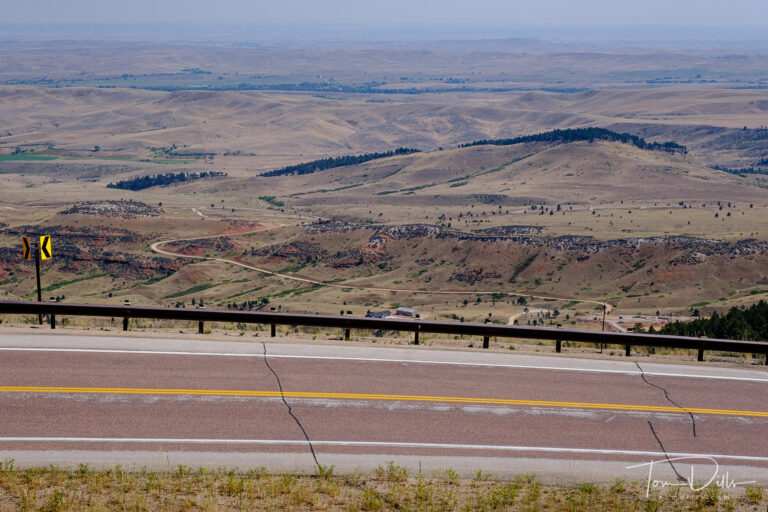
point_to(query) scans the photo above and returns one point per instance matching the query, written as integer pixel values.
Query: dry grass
(389, 487)
(579, 176)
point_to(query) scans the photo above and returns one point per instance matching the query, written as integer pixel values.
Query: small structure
(411, 312)
(378, 314)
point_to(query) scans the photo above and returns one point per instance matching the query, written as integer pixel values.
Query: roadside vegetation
(738, 324)
(388, 487)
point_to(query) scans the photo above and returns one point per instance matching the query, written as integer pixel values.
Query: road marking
(629, 371)
(374, 396)
(383, 444)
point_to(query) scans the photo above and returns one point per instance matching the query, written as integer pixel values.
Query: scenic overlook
(402, 256)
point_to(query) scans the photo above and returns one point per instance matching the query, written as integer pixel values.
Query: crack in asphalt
(290, 410)
(666, 395)
(680, 477)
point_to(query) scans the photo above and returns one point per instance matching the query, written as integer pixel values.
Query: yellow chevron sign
(45, 247)
(27, 249)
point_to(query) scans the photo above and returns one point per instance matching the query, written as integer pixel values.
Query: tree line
(333, 162)
(737, 324)
(741, 172)
(569, 135)
(142, 182)
(584, 134)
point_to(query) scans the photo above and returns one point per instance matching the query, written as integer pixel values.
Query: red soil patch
(246, 227)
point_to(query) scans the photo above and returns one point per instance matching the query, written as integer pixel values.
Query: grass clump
(389, 487)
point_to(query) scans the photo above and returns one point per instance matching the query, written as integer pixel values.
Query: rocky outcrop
(122, 209)
(203, 245)
(511, 230)
(302, 252)
(697, 250)
(82, 236)
(476, 275)
(78, 249)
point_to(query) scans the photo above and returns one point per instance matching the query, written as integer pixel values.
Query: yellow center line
(369, 396)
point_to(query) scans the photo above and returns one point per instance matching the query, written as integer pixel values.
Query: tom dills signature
(696, 482)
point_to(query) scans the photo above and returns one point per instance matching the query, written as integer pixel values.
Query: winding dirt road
(157, 248)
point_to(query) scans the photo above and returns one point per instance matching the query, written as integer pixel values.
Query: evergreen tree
(737, 324)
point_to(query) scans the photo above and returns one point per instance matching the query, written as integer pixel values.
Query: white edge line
(544, 449)
(385, 360)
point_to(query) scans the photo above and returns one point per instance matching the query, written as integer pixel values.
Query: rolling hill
(578, 173)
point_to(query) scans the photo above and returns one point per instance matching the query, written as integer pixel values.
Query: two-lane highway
(150, 402)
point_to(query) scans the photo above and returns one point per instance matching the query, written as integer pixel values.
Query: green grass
(25, 158)
(194, 289)
(152, 280)
(700, 304)
(295, 291)
(501, 167)
(409, 190)
(246, 292)
(272, 201)
(12, 279)
(292, 269)
(167, 161)
(325, 190)
(61, 284)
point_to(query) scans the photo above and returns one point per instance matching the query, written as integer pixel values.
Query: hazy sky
(514, 12)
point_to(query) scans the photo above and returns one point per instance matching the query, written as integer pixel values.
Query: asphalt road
(158, 403)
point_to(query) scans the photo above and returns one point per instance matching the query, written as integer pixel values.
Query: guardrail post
(200, 327)
(627, 350)
(125, 323)
(486, 341)
(701, 355)
(346, 334)
(52, 315)
(272, 330)
(558, 346)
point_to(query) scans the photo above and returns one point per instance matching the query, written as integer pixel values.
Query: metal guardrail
(417, 326)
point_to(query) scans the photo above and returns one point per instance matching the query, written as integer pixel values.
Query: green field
(25, 158)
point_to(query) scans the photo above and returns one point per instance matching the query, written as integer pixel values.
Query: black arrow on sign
(46, 247)
(27, 252)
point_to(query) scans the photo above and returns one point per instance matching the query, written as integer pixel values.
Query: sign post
(39, 292)
(41, 249)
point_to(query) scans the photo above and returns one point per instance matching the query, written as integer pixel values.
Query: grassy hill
(579, 173)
